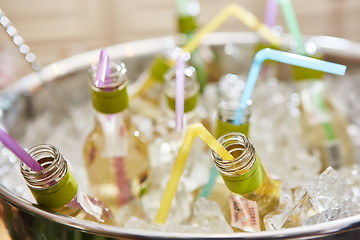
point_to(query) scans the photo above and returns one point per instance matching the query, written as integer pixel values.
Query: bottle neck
(226, 116)
(191, 89)
(112, 97)
(111, 124)
(245, 173)
(54, 186)
(187, 14)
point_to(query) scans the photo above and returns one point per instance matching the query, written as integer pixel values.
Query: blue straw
(283, 57)
(207, 189)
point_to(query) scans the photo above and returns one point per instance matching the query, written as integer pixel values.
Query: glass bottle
(55, 187)
(115, 152)
(166, 143)
(246, 176)
(187, 18)
(324, 126)
(214, 188)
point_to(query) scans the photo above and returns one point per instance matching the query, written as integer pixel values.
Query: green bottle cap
(189, 103)
(59, 195)
(187, 24)
(109, 102)
(223, 128)
(248, 182)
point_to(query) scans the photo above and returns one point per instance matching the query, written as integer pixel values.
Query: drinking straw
(103, 67)
(283, 57)
(14, 147)
(194, 130)
(207, 189)
(180, 92)
(293, 25)
(271, 13)
(243, 15)
(239, 12)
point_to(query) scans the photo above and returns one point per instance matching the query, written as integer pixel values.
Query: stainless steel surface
(69, 77)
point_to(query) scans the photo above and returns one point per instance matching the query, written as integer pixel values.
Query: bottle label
(244, 214)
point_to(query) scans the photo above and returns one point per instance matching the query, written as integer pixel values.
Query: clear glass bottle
(115, 152)
(166, 143)
(215, 189)
(324, 127)
(55, 187)
(187, 18)
(245, 174)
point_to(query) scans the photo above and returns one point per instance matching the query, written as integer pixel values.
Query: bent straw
(14, 147)
(243, 15)
(194, 130)
(271, 13)
(103, 67)
(239, 12)
(180, 92)
(293, 25)
(283, 57)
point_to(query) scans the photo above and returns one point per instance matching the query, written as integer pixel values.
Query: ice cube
(207, 218)
(325, 195)
(289, 210)
(329, 215)
(329, 190)
(207, 214)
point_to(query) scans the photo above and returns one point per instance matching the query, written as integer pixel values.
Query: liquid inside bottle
(246, 176)
(55, 187)
(115, 152)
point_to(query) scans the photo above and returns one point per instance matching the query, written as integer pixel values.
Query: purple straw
(103, 67)
(180, 92)
(271, 13)
(108, 79)
(14, 147)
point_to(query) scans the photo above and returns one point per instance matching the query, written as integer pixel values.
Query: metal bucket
(66, 82)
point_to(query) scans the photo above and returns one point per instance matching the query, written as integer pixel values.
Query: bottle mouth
(192, 86)
(243, 151)
(55, 167)
(227, 110)
(116, 77)
(112, 97)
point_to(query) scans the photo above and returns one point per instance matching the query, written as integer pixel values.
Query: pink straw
(103, 67)
(271, 13)
(180, 92)
(14, 147)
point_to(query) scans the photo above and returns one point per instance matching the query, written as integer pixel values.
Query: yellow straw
(230, 10)
(243, 15)
(194, 130)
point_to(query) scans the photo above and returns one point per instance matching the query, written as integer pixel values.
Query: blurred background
(55, 30)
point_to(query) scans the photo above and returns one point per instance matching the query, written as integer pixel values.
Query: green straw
(292, 24)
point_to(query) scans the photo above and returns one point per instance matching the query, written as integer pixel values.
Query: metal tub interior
(66, 82)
